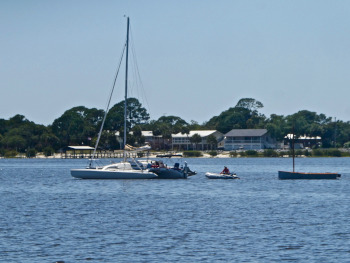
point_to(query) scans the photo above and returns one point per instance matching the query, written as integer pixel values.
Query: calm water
(47, 216)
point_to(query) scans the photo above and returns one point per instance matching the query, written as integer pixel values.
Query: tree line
(81, 125)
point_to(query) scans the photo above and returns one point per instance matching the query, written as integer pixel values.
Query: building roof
(143, 133)
(246, 132)
(147, 133)
(81, 147)
(203, 133)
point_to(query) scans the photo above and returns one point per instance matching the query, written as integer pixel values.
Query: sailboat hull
(283, 175)
(108, 174)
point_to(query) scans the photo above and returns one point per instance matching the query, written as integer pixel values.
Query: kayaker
(225, 171)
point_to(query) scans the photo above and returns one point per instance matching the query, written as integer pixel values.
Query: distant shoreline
(153, 155)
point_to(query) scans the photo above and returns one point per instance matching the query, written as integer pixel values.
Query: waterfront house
(247, 139)
(183, 141)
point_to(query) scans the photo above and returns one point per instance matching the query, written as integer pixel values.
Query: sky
(195, 58)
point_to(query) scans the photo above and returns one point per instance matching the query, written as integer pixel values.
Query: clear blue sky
(196, 58)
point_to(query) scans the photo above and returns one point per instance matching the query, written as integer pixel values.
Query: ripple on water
(48, 216)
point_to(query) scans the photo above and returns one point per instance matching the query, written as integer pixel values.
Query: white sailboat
(121, 170)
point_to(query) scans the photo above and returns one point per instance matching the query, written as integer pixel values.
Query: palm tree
(185, 130)
(196, 138)
(211, 140)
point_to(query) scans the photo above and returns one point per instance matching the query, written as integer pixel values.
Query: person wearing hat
(225, 171)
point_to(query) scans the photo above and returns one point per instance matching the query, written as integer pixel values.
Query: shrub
(317, 152)
(251, 153)
(10, 154)
(233, 154)
(270, 153)
(299, 152)
(282, 153)
(48, 151)
(333, 153)
(290, 153)
(31, 152)
(307, 153)
(192, 154)
(243, 154)
(213, 153)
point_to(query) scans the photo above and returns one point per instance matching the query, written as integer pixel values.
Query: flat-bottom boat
(221, 176)
(283, 175)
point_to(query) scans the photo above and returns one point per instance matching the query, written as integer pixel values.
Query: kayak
(221, 176)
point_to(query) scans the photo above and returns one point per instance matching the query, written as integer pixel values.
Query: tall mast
(126, 85)
(335, 132)
(293, 147)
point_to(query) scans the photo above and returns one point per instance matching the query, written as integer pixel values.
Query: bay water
(48, 216)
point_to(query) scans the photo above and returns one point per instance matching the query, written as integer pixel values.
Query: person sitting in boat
(225, 171)
(161, 164)
(155, 164)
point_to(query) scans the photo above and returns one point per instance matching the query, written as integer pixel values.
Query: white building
(183, 141)
(301, 142)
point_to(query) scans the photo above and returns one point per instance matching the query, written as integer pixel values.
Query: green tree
(233, 118)
(15, 142)
(212, 141)
(136, 115)
(165, 126)
(68, 128)
(166, 131)
(196, 139)
(137, 134)
(108, 140)
(17, 121)
(77, 125)
(175, 124)
(243, 116)
(3, 126)
(311, 124)
(276, 126)
(185, 130)
(20, 134)
(249, 104)
(195, 126)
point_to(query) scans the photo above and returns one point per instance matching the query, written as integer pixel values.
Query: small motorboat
(221, 176)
